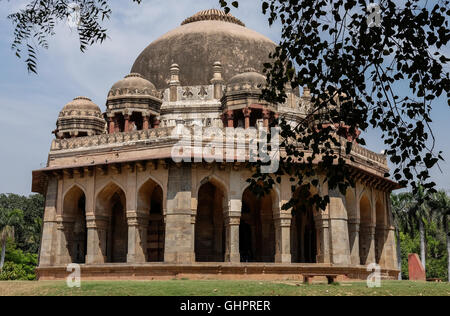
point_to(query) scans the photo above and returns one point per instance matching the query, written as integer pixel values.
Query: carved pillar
(49, 230)
(96, 239)
(283, 238)
(174, 82)
(63, 233)
(146, 123)
(323, 239)
(179, 229)
(390, 250)
(368, 246)
(111, 122)
(353, 232)
(340, 246)
(230, 118)
(126, 116)
(232, 218)
(247, 112)
(137, 237)
(232, 239)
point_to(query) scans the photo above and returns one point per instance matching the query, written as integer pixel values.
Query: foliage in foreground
(22, 252)
(19, 265)
(436, 263)
(422, 227)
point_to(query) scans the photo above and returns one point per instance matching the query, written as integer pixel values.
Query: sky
(30, 104)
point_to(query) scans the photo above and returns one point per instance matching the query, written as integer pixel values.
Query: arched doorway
(257, 229)
(303, 237)
(209, 225)
(366, 222)
(111, 203)
(74, 212)
(150, 201)
(303, 231)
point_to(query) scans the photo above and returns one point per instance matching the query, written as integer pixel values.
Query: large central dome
(201, 40)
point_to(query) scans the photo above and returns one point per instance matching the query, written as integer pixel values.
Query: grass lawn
(221, 288)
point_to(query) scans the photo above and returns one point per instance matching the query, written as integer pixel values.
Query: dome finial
(213, 15)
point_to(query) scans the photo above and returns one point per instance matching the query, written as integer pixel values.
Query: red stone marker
(416, 270)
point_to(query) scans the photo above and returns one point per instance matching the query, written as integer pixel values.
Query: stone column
(368, 230)
(126, 116)
(64, 231)
(247, 112)
(283, 237)
(230, 118)
(146, 123)
(323, 238)
(232, 222)
(96, 239)
(340, 246)
(137, 237)
(390, 253)
(49, 230)
(380, 236)
(353, 231)
(232, 218)
(179, 229)
(111, 121)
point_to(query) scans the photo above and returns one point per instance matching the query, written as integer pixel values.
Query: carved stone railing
(152, 135)
(366, 153)
(173, 134)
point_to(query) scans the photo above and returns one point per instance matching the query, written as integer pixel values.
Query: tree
(419, 215)
(440, 207)
(37, 21)
(7, 221)
(380, 67)
(28, 229)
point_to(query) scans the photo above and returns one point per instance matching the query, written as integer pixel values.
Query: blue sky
(29, 104)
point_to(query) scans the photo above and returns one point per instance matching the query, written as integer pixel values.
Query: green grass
(222, 288)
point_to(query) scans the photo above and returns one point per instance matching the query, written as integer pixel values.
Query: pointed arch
(111, 204)
(150, 202)
(257, 227)
(75, 230)
(73, 186)
(304, 235)
(215, 180)
(209, 224)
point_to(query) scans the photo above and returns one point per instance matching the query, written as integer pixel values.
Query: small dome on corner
(249, 76)
(133, 84)
(80, 104)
